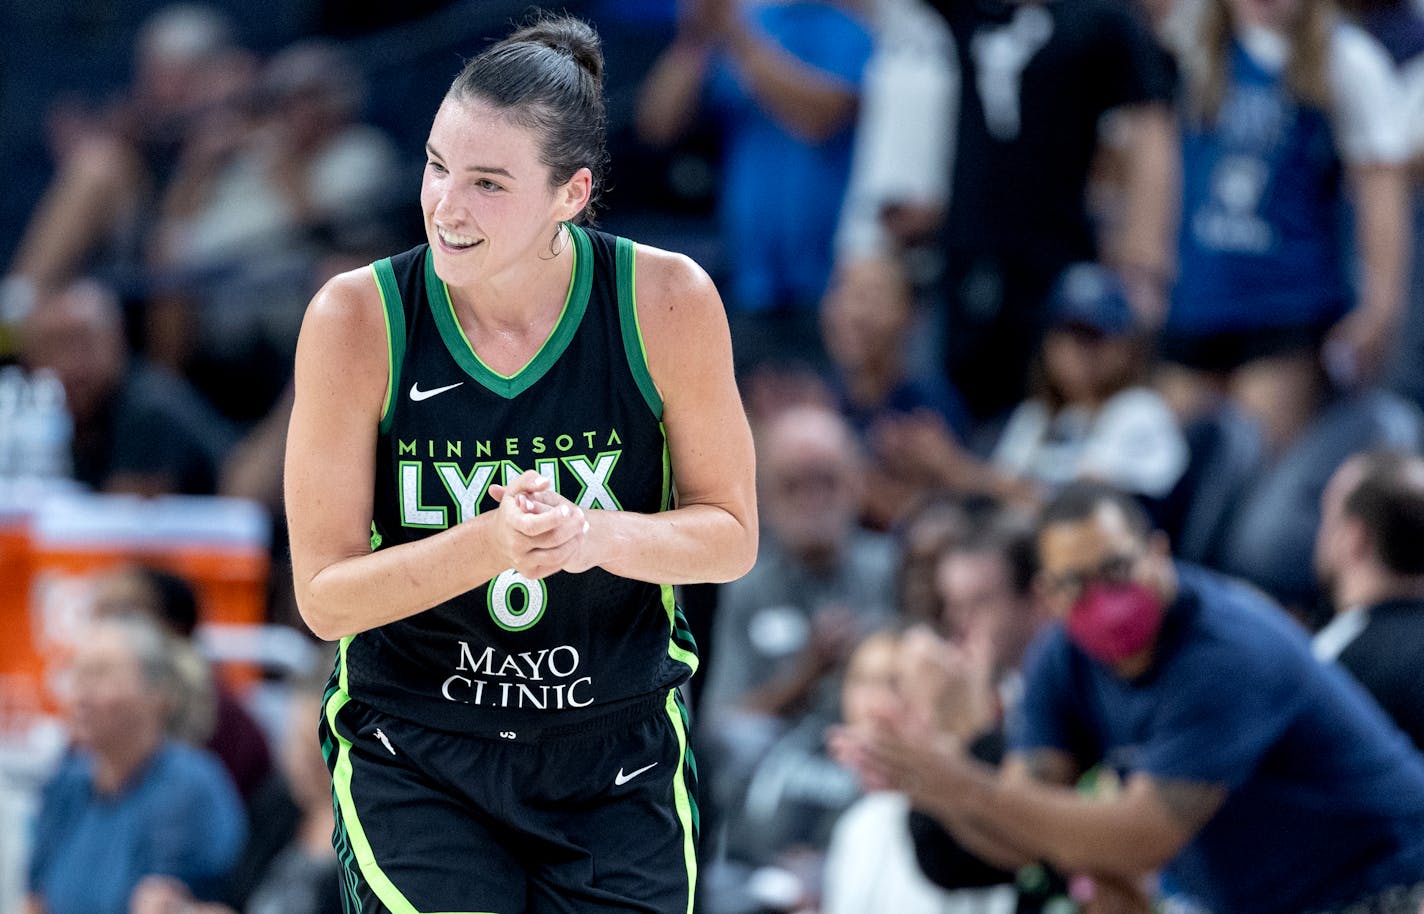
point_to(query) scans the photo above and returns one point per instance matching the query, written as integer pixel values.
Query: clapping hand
(540, 531)
(948, 685)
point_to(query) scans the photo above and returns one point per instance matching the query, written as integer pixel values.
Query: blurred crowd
(1083, 344)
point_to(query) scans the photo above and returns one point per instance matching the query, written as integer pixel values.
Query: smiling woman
(480, 489)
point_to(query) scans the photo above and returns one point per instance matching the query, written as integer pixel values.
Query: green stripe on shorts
(686, 804)
(350, 824)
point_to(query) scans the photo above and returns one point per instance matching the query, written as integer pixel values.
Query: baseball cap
(1090, 296)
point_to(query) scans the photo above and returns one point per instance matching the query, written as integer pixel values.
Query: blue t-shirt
(1261, 243)
(781, 196)
(179, 817)
(1325, 796)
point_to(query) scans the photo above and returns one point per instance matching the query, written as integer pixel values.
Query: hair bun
(549, 76)
(570, 36)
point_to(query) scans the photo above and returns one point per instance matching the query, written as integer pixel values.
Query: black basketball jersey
(517, 653)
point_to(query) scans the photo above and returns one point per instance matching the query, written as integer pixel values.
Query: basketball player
(507, 445)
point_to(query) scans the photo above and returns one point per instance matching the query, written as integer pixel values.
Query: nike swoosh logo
(417, 394)
(622, 778)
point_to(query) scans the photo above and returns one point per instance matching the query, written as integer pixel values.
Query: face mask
(1112, 622)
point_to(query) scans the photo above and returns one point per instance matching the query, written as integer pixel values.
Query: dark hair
(175, 606)
(1365, 7)
(1006, 535)
(1389, 501)
(548, 76)
(1011, 536)
(1079, 501)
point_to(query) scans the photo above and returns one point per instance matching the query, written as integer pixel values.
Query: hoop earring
(555, 247)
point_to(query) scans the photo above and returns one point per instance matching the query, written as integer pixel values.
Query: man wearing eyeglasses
(1255, 779)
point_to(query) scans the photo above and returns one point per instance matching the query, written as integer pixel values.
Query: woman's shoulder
(664, 272)
(1351, 45)
(347, 307)
(1368, 97)
(674, 295)
(1354, 54)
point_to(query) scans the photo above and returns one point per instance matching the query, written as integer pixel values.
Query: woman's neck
(115, 766)
(521, 297)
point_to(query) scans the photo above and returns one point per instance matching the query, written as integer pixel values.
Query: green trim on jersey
(349, 823)
(683, 799)
(633, 344)
(511, 386)
(681, 646)
(394, 314)
(679, 634)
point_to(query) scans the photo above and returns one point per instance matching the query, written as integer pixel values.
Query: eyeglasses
(1068, 586)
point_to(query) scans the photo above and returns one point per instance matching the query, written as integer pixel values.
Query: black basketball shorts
(598, 818)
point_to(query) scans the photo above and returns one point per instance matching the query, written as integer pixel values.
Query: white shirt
(1132, 441)
(905, 133)
(871, 868)
(1330, 642)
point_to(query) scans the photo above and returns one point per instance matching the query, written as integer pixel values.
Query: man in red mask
(1251, 776)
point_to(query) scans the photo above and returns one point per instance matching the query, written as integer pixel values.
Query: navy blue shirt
(1325, 796)
(1262, 209)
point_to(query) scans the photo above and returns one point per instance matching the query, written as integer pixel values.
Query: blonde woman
(1291, 114)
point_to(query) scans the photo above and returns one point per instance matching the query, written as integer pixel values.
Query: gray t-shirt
(764, 619)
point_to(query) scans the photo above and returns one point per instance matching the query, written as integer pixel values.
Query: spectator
(136, 428)
(773, 388)
(779, 646)
(934, 523)
(1398, 26)
(169, 602)
(870, 865)
(866, 320)
(899, 174)
(112, 162)
(248, 215)
(818, 583)
(1268, 535)
(1290, 110)
(303, 877)
(783, 78)
(1037, 78)
(1228, 736)
(967, 685)
(309, 163)
(985, 590)
(1369, 554)
(1092, 415)
(1095, 417)
(231, 733)
(128, 802)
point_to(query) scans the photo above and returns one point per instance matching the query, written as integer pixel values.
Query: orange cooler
(218, 544)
